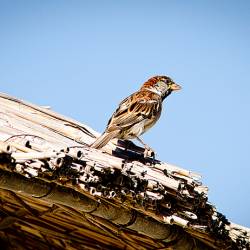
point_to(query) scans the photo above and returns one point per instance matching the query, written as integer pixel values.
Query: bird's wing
(134, 109)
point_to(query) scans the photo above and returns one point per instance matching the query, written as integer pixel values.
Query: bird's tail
(104, 139)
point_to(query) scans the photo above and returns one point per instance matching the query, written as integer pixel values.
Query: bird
(138, 112)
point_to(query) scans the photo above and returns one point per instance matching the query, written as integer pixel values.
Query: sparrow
(138, 112)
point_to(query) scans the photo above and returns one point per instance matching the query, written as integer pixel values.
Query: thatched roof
(57, 193)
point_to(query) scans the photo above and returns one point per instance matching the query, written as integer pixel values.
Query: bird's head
(161, 85)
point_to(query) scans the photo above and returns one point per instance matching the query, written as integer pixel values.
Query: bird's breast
(135, 130)
(140, 127)
(151, 122)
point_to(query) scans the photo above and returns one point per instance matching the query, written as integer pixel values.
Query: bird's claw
(149, 152)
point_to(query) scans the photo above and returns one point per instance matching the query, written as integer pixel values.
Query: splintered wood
(58, 191)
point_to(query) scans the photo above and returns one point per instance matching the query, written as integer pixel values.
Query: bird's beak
(175, 86)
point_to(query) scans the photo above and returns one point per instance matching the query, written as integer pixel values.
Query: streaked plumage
(138, 112)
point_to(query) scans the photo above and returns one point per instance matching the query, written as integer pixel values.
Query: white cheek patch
(154, 90)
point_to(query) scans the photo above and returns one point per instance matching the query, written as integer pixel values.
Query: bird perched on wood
(138, 112)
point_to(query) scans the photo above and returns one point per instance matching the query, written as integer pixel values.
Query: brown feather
(104, 139)
(138, 112)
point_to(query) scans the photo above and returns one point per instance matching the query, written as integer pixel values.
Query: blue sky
(83, 57)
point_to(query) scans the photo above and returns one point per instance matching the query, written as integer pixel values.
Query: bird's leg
(149, 152)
